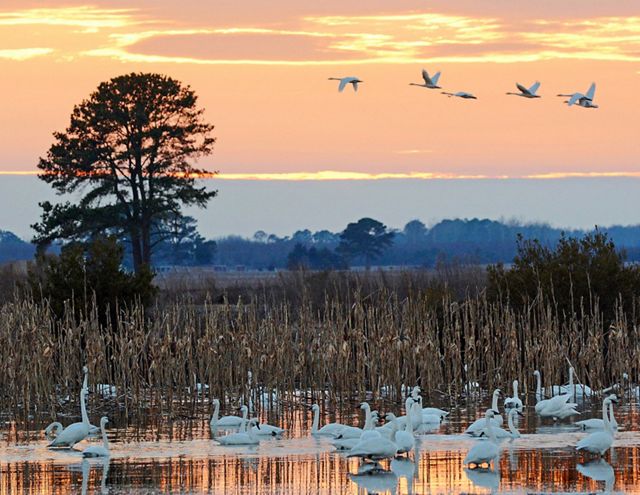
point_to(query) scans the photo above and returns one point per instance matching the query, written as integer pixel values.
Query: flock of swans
(397, 436)
(584, 100)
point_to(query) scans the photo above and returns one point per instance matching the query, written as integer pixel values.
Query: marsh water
(153, 453)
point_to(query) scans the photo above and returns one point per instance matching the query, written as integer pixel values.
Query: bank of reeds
(366, 341)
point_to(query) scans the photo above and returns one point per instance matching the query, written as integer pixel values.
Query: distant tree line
(471, 241)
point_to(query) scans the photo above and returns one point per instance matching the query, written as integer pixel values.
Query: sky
(261, 72)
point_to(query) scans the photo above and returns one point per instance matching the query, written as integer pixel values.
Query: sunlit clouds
(134, 35)
(20, 54)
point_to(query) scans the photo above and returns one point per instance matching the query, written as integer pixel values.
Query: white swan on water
(513, 431)
(597, 423)
(226, 421)
(579, 390)
(243, 437)
(554, 390)
(85, 417)
(484, 452)
(511, 402)
(600, 441)
(75, 432)
(354, 431)
(477, 427)
(330, 429)
(99, 450)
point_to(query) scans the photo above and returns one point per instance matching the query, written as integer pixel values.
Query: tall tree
(367, 238)
(129, 150)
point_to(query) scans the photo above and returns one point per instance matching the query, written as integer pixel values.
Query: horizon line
(337, 175)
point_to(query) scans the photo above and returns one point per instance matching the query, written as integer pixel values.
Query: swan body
(527, 92)
(331, 429)
(597, 423)
(430, 82)
(265, 429)
(226, 421)
(99, 450)
(243, 437)
(461, 94)
(600, 441)
(513, 402)
(484, 452)
(404, 439)
(354, 81)
(374, 449)
(557, 407)
(477, 427)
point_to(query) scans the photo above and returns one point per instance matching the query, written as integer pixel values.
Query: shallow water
(155, 455)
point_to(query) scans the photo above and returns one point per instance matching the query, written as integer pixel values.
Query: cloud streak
(133, 35)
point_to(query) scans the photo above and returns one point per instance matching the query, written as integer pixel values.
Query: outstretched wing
(343, 82)
(355, 84)
(435, 78)
(522, 89)
(591, 92)
(427, 79)
(534, 87)
(575, 98)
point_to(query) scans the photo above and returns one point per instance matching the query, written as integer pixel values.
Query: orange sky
(261, 71)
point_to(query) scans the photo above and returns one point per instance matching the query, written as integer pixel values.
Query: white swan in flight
(461, 94)
(584, 100)
(429, 82)
(600, 441)
(99, 450)
(354, 81)
(527, 92)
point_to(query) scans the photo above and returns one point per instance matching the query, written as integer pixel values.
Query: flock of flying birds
(584, 100)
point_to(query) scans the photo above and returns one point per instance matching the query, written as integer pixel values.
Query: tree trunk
(136, 251)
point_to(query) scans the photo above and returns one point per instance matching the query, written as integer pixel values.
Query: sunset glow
(261, 75)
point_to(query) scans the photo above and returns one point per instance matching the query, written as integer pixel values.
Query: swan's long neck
(408, 424)
(515, 389)
(245, 411)
(105, 441)
(605, 417)
(83, 406)
(494, 403)
(368, 419)
(571, 379)
(538, 385)
(512, 428)
(316, 420)
(612, 418)
(216, 412)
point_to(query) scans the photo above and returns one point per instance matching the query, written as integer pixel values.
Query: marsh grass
(338, 338)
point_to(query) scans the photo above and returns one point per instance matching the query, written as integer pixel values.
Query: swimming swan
(600, 441)
(226, 421)
(597, 423)
(75, 432)
(513, 431)
(478, 425)
(514, 401)
(243, 437)
(330, 429)
(484, 452)
(99, 450)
